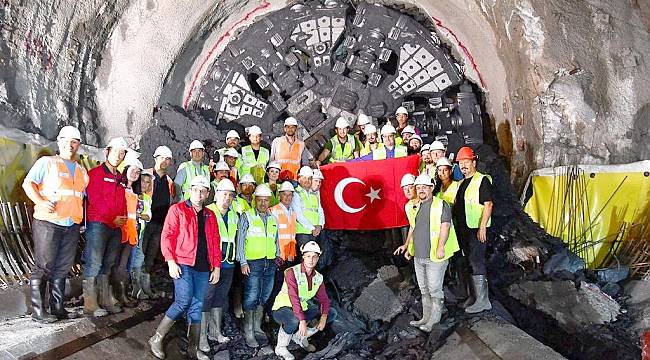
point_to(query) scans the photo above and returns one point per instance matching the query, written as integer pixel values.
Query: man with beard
(371, 143)
(289, 151)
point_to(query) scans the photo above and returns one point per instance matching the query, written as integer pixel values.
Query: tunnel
(530, 84)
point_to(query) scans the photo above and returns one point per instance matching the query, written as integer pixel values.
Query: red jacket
(180, 237)
(106, 199)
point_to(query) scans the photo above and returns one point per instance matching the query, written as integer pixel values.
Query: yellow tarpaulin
(599, 211)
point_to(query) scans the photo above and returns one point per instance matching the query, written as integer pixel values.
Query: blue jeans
(137, 256)
(259, 283)
(102, 247)
(189, 291)
(285, 317)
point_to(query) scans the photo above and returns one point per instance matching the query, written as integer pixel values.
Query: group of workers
(251, 217)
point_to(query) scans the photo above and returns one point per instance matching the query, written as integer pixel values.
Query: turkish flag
(366, 195)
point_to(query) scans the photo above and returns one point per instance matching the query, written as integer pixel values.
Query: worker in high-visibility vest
(427, 165)
(371, 142)
(408, 187)
(389, 149)
(231, 157)
(402, 117)
(289, 151)
(216, 295)
(257, 252)
(432, 242)
(472, 216)
(342, 146)
(137, 255)
(273, 180)
(220, 170)
(56, 184)
(306, 204)
(254, 157)
(232, 142)
(189, 169)
(244, 200)
(362, 121)
(292, 308)
(448, 187)
(286, 222)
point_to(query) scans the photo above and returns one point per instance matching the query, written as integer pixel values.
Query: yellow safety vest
(365, 149)
(380, 153)
(310, 206)
(451, 246)
(473, 208)
(241, 205)
(248, 162)
(190, 172)
(449, 195)
(260, 239)
(303, 289)
(342, 153)
(227, 233)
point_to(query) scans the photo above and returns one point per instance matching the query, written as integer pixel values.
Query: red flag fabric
(366, 195)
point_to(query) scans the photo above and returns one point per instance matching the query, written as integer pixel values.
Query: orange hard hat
(465, 153)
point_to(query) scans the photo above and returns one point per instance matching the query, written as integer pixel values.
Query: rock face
(384, 298)
(572, 308)
(639, 304)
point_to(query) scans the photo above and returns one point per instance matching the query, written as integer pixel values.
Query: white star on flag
(373, 194)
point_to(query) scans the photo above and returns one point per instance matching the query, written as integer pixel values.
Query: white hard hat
(290, 121)
(306, 171)
(200, 180)
(263, 190)
(423, 179)
(134, 163)
(273, 164)
(232, 134)
(225, 185)
(424, 148)
(401, 110)
(369, 129)
(407, 179)
(443, 161)
(415, 136)
(231, 152)
(254, 130)
(163, 151)
(341, 123)
(408, 129)
(387, 129)
(118, 143)
(363, 119)
(221, 165)
(248, 178)
(311, 246)
(70, 132)
(318, 174)
(286, 186)
(437, 145)
(196, 145)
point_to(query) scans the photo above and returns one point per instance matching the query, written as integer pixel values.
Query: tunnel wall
(565, 82)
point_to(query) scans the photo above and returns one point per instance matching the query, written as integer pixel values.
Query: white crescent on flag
(338, 195)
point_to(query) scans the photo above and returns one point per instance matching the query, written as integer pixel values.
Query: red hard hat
(465, 153)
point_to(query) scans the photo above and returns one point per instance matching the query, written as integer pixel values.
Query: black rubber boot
(193, 351)
(57, 296)
(37, 297)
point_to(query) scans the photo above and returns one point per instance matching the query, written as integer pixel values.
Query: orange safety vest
(289, 155)
(130, 227)
(65, 191)
(170, 185)
(286, 232)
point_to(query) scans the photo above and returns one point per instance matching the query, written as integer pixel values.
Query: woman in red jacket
(190, 244)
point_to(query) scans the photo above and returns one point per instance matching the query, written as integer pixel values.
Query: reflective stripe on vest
(286, 232)
(65, 190)
(380, 153)
(310, 207)
(146, 209)
(260, 239)
(130, 227)
(449, 195)
(227, 232)
(303, 289)
(249, 161)
(289, 155)
(190, 172)
(342, 152)
(451, 246)
(473, 208)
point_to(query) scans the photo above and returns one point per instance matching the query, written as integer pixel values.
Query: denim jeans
(55, 247)
(100, 252)
(137, 256)
(189, 291)
(285, 317)
(216, 295)
(430, 275)
(259, 283)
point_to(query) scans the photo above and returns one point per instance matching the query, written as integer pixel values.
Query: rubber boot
(91, 307)
(156, 341)
(136, 281)
(482, 302)
(281, 348)
(145, 282)
(214, 328)
(204, 345)
(238, 308)
(302, 340)
(105, 297)
(464, 280)
(37, 297)
(194, 331)
(426, 310)
(257, 323)
(248, 329)
(434, 315)
(57, 296)
(119, 286)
